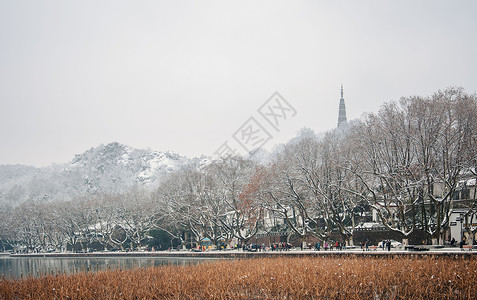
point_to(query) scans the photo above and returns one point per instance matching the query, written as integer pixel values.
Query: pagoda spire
(342, 111)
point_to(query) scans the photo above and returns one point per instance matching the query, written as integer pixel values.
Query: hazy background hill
(111, 168)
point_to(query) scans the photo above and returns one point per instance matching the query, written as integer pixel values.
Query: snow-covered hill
(111, 168)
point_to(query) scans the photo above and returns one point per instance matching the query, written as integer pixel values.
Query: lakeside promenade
(239, 254)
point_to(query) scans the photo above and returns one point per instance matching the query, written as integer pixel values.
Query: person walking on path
(389, 245)
(317, 246)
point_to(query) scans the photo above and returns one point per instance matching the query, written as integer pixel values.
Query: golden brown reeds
(267, 278)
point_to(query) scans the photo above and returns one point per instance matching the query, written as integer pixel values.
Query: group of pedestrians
(336, 245)
(365, 245)
(386, 244)
(280, 246)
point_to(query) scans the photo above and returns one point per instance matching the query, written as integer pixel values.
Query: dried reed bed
(267, 278)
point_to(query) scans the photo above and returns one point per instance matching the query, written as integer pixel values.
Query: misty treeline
(405, 163)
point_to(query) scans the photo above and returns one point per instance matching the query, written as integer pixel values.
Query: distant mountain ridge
(111, 168)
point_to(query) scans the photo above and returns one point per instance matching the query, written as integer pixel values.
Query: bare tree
(236, 186)
(409, 157)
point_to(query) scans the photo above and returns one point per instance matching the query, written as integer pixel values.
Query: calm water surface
(21, 267)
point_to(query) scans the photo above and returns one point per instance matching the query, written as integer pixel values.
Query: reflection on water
(21, 267)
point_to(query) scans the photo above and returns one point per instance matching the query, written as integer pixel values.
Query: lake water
(21, 267)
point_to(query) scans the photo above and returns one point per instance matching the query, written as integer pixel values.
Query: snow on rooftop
(467, 182)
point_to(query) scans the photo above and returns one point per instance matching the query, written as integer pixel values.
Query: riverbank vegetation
(269, 278)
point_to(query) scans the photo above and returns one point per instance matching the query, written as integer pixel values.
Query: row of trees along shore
(404, 162)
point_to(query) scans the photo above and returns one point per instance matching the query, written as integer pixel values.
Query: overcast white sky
(185, 75)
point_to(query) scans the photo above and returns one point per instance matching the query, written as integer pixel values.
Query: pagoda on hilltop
(342, 111)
